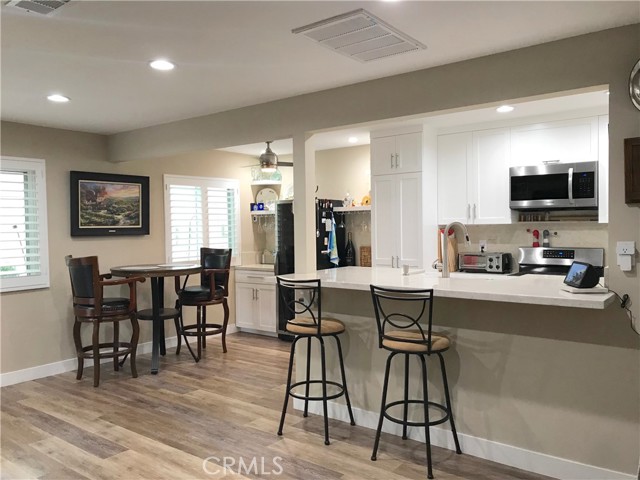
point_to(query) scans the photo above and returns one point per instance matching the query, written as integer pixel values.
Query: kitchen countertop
(263, 267)
(526, 289)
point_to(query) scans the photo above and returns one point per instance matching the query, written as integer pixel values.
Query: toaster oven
(485, 262)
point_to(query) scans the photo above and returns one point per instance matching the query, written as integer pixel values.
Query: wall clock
(634, 85)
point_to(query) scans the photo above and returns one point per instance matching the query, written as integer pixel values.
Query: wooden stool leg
(116, 345)
(78, 342)
(96, 352)
(204, 327)
(225, 307)
(199, 331)
(135, 335)
(176, 322)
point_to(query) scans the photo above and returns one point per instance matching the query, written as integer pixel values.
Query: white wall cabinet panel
(245, 294)
(562, 141)
(396, 219)
(396, 154)
(454, 150)
(266, 308)
(473, 177)
(488, 177)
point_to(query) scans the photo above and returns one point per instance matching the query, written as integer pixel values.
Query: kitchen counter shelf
(365, 208)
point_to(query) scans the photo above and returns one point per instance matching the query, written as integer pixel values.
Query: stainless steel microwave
(563, 186)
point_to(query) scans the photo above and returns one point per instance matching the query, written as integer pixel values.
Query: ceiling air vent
(360, 35)
(43, 7)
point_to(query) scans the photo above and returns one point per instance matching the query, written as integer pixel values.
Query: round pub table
(158, 313)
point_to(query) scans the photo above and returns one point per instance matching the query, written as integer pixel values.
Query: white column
(304, 187)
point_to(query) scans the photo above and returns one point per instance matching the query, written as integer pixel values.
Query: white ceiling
(234, 54)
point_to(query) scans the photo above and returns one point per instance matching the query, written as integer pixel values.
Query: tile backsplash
(507, 238)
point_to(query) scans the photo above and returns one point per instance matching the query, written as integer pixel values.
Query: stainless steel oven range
(557, 260)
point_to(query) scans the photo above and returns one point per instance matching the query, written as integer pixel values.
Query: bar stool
(400, 332)
(298, 298)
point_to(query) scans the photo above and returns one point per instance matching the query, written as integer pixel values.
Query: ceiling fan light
(268, 160)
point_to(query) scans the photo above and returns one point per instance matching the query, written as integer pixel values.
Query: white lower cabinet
(255, 301)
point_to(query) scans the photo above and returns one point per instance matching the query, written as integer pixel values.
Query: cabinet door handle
(257, 294)
(256, 277)
(474, 212)
(254, 293)
(396, 160)
(392, 264)
(397, 262)
(468, 212)
(391, 160)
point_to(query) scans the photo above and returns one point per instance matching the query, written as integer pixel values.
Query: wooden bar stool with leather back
(91, 306)
(213, 290)
(399, 315)
(299, 298)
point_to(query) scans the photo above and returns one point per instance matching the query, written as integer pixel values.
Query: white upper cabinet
(454, 150)
(564, 141)
(489, 177)
(396, 154)
(473, 177)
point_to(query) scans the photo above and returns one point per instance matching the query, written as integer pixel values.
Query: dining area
(92, 306)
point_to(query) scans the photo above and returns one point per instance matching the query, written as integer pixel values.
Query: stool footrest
(124, 348)
(186, 330)
(300, 396)
(416, 424)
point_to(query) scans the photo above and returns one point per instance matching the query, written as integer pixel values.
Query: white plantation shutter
(24, 252)
(200, 212)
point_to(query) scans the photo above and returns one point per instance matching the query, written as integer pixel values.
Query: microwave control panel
(584, 185)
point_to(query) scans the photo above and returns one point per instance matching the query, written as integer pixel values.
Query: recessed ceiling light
(163, 65)
(57, 98)
(504, 109)
(353, 139)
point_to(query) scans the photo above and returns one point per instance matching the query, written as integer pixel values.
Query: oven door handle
(570, 186)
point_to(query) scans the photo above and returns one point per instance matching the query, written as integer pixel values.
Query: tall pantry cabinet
(396, 190)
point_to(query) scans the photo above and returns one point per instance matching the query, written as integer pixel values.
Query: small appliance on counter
(485, 262)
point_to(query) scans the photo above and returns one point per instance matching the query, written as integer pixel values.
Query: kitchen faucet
(445, 249)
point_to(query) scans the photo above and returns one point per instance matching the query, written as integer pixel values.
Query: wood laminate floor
(164, 426)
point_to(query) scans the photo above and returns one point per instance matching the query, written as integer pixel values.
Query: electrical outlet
(483, 245)
(626, 248)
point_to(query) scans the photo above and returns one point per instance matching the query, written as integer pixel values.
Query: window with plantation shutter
(200, 212)
(24, 252)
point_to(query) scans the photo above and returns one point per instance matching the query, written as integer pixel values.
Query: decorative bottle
(350, 253)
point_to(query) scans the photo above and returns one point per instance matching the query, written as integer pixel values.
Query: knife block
(452, 252)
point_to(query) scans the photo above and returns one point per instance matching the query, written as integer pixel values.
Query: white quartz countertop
(526, 289)
(263, 267)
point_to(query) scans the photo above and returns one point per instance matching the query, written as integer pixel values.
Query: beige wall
(36, 325)
(343, 170)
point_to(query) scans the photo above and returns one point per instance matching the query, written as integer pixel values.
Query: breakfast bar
(519, 343)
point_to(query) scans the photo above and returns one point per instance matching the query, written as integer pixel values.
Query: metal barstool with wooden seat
(91, 306)
(401, 331)
(302, 302)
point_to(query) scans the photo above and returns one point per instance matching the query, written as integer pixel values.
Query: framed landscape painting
(104, 204)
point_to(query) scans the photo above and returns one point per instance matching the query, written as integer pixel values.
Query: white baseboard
(528, 460)
(71, 364)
